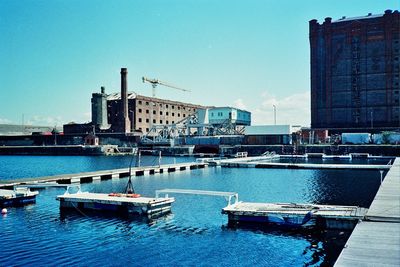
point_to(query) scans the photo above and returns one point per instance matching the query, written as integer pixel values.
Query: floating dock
(295, 215)
(267, 161)
(17, 197)
(118, 203)
(376, 240)
(88, 177)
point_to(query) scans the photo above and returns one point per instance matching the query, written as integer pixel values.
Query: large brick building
(128, 112)
(355, 73)
(143, 111)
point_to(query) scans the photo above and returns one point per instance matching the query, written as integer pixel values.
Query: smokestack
(103, 90)
(124, 100)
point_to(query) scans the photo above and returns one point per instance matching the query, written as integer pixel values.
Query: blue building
(221, 115)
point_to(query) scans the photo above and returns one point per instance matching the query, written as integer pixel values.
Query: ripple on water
(194, 234)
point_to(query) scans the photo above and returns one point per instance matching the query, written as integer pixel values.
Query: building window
(184, 108)
(147, 129)
(166, 113)
(140, 128)
(173, 122)
(140, 119)
(160, 121)
(179, 108)
(147, 103)
(194, 110)
(160, 112)
(140, 102)
(173, 114)
(167, 122)
(212, 114)
(166, 106)
(147, 120)
(140, 110)
(184, 115)
(160, 105)
(154, 121)
(147, 111)
(179, 114)
(173, 107)
(154, 112)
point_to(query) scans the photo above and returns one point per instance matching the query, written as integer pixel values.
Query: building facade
(355, 73)
(146, 111)
(127, 112)
(219, 115)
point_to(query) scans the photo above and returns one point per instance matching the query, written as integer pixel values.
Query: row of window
(166, 105)
(161, 113)
(219, 114)
(154, 121)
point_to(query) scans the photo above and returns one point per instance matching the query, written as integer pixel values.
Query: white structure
(269, 134)
(271, 129)
(220, 115)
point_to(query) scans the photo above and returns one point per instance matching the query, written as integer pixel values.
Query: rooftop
(133, 95)
(369, 16)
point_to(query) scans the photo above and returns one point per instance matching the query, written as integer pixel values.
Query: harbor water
(194, 234)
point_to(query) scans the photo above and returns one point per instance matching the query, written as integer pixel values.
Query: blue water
(195, 234)
(12, 167)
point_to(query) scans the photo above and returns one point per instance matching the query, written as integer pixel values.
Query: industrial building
(159, 121)
(355, 73)
(128, 112)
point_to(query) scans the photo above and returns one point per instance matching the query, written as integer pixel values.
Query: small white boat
(17, 197)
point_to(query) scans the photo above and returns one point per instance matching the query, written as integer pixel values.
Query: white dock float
(267, 165)
(87, 177)
(17, 197)
(121, 203)
(290, 214)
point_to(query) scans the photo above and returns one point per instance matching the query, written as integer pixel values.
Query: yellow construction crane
(155, 82)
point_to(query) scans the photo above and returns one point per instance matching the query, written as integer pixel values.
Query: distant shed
(269, 134)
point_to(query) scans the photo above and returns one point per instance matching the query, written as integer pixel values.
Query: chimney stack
(124, 101)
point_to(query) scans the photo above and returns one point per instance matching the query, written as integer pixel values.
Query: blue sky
(249, 54)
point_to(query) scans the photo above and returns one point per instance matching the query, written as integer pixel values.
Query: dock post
(381, 171)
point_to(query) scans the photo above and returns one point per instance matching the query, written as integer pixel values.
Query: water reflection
(323, 246)
(342, 187)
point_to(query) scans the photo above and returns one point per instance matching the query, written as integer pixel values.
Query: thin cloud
(293, 109)
(238, 103)
(5, 121)
(45, 120)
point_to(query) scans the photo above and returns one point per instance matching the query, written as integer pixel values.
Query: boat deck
(247, 208)
(323, 216)
(150, 207)
(17, 197)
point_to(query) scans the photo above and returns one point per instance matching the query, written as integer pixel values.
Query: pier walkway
(88, 177)
(376, 240)
(267, 161)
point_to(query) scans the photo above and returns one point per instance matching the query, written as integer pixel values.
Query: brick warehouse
(355, 73)
(128, 112)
